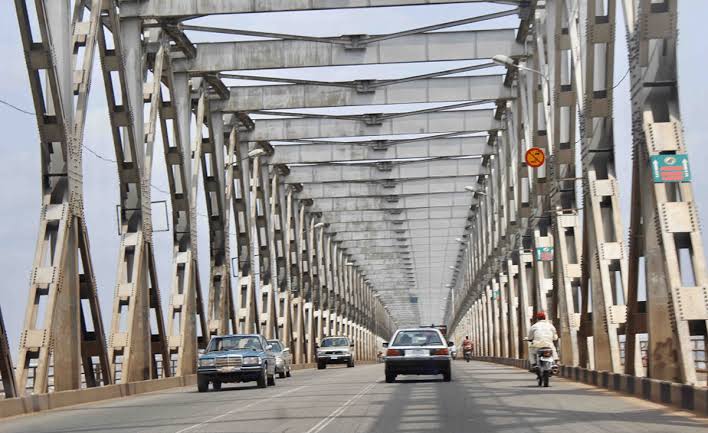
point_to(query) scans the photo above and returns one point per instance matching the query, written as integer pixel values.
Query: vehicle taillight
(393, 352)
(440, 351)
(546, 353)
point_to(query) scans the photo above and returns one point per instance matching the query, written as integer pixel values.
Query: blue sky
(20, 195)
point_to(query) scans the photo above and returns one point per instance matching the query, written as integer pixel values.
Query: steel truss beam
(313, 153)
(399, 171)
(7, 371)
(452, 89)
(62, 271)
(408, 214)
(663, 230)
(134, 352)
(196, 8)
(392, 202)
(462, 121)
(388, 187)
(395, 225)
(275, 54)
(502, 282)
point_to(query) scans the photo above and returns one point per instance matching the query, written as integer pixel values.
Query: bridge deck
(482, 397)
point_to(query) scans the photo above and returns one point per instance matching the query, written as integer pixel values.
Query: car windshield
(276, 346)
(417, 338)
(332, 342)
(242, 342)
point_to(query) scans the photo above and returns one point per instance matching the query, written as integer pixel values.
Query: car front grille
(335, 352)
(228, 361)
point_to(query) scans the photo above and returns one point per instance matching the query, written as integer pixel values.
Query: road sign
(535, 157)
(544, 254)
(670, 168)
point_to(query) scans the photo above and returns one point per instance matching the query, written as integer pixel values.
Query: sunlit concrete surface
(482, 398)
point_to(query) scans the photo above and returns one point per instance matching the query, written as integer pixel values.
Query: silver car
(418, 351)
(335, 350)
(283, 358)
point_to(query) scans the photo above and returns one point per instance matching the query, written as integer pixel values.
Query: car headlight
(207, 362)
(252, 360)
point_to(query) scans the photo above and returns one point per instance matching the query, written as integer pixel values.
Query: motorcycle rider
(466, 347)
(541, 334)
(467, 344)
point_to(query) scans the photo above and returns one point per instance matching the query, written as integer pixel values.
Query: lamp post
(508, 62)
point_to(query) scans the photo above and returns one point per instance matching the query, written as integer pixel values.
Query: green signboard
(670, 168)
(544, 254)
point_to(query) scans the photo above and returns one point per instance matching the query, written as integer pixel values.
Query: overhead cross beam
(453, 89)
(275, 54)
(461, 122)
(196, 8)
(312, 153)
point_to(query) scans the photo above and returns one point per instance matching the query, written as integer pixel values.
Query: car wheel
(271, 380)
(447, 375)
(350, 364)
(263, 380)
(390, 377)
(321, 365)
(202, 384)
(281, 375)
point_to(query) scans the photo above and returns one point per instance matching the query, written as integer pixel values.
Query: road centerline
(263, 400)
(317, 428)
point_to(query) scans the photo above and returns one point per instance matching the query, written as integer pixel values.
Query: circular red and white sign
(535, 157)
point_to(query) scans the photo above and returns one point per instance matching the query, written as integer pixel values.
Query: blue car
(236, 358)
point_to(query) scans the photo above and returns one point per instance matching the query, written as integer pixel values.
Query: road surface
(482, 397)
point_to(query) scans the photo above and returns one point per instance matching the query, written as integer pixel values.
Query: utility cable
(94, 153)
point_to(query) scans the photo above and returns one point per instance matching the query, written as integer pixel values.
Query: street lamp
(508, 62)
(474, 190)
(256, 152)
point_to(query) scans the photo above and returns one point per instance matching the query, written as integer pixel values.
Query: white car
(418, 351)
(335, 350)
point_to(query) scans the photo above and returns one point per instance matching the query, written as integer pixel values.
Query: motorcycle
(545, 366)
(467, 354)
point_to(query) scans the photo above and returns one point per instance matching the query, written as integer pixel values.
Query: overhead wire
(98, 155)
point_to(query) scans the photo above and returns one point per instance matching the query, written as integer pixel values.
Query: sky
(20, 194)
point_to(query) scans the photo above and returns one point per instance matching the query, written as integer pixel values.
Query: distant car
(236, 358)
(283, 358)
(335, 350)
(420, 351)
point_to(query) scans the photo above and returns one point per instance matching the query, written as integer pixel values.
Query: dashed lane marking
(257, 402)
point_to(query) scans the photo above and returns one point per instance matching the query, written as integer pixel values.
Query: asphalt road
(481, 398)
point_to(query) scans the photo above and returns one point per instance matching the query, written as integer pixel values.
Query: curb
(676, 395)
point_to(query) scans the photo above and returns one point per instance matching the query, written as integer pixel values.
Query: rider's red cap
(541, 315)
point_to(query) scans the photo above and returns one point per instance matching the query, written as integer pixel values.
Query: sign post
(535, 157)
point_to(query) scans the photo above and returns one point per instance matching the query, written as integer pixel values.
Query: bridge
(458, 171)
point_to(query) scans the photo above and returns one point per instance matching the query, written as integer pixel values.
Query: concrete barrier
(685, 397)
(41, 402)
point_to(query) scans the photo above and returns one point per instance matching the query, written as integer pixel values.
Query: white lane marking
(331, 417)
(241, 407)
